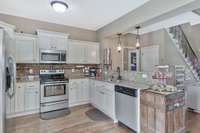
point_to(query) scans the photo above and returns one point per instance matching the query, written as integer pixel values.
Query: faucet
(119, 77)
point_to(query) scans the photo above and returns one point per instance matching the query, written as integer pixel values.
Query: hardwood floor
(192, 122)
(76, 122)
(79, 122)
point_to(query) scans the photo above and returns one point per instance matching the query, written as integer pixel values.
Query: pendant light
(137, 37)
(119, 43)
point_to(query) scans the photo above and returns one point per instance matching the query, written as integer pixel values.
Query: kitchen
(62, 78)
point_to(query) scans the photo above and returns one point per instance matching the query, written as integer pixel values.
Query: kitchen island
(162, 112)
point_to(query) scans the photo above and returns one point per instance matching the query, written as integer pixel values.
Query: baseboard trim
(14, 115)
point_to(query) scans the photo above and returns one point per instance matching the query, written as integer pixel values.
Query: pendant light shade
(137, 37)
(119, 43)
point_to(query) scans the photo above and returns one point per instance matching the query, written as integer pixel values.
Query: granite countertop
(26, 79)
(164, 92)
(129, 84)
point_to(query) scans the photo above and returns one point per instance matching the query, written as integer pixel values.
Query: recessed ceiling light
(59, 6)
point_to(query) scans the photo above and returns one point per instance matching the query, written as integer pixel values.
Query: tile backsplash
(24, 70)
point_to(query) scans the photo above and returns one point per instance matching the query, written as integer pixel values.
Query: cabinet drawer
(32, 85)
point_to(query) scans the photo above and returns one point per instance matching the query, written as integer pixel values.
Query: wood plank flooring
(76, 122)
(79, 122)
(192, 122)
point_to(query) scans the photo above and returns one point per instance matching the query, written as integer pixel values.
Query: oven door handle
(55, 103)
(50, 84)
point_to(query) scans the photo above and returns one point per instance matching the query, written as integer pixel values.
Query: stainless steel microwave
(52, 56)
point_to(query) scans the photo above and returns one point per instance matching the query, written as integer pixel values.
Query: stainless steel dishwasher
(127, 106)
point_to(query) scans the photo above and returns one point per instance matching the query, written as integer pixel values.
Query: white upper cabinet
(92, 54)
(26, 49)
(76, 53)
(83, 52)
(52, 40)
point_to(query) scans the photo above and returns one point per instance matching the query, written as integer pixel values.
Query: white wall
(168, 53)
(192, 32)
(148, 11)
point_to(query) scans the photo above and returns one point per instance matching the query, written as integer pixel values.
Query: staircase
(183, 46)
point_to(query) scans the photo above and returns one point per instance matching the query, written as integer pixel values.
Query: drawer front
(32, 85)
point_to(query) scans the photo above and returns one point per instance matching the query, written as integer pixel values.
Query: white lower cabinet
(78, 92)
(25, 100)
(100, 94)
(81, 91)
(103, 98)
(31, 97)
(109, 104)
(19, 98)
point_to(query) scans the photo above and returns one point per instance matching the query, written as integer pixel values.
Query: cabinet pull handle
(31, 86)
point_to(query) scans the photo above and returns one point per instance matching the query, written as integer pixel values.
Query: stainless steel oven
(52, 56)
(54, 92)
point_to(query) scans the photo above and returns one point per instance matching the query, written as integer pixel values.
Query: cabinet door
(149, 58)
(84, 86)
(73, 95)
(92, 54)
(19, 98)
(59, 43)
(99, 95)
(92, 91)
(45, 42)
(26, 49)
(10, 105)
(31, 98)
(109, 103)
(76, 53)
(52, 40)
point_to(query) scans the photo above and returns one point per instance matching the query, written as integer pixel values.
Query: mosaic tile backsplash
(25, 70)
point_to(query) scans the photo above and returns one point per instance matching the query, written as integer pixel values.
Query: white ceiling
(188, 17)
(87, 14)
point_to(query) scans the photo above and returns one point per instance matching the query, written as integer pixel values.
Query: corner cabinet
(26, 49)
(52, 40)
(83, 52)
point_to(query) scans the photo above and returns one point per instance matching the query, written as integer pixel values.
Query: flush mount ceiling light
(59, 6)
